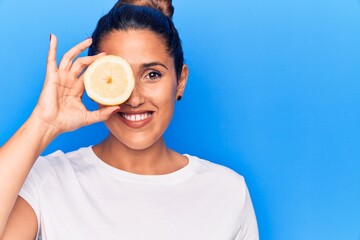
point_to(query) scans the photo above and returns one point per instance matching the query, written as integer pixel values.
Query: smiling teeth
(136, 117)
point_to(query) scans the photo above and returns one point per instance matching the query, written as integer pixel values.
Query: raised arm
(59, 109)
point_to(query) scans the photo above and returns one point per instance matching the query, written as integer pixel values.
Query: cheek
(163, 98)
(163, 92)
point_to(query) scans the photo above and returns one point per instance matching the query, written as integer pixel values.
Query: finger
(81, 63)
(101, 115)
(51, 59)
(79, 68)
(68, 57)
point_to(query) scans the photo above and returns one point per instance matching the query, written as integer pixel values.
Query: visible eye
(153, 75)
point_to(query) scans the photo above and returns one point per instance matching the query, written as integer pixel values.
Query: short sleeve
(30, 190)
(248, 229)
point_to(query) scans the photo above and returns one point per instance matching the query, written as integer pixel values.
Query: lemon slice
(109, 80)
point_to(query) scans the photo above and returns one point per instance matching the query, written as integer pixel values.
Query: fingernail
(115, 111)
(88, 38)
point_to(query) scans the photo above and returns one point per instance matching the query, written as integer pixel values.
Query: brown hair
(164, 6)
(153, 15)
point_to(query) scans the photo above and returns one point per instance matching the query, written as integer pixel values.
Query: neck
(154, 160)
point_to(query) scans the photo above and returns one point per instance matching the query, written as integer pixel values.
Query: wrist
(41, 128)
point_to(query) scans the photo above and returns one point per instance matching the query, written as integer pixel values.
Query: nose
(136, 98)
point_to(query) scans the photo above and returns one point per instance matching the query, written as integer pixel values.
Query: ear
(182, 81)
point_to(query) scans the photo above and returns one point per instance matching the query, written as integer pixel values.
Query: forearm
(17, 156)
(59, 109)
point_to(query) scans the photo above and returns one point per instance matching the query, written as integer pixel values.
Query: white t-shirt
(78, 196)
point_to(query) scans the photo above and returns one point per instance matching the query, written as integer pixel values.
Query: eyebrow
(147, 65)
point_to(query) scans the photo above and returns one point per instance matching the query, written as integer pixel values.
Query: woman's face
(144, 117)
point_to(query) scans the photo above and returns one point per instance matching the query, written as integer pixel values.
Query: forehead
(136, 46)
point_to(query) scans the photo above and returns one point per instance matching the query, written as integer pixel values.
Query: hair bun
(164, 6)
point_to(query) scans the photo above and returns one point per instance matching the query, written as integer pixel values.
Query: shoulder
(214, 168)
(221, 183)
(58, 157)
(217, 173)
(58, 162)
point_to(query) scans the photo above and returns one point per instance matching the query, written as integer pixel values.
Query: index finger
(68, 57)
(51, 59)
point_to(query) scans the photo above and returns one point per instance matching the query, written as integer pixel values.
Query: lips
(135, 117)
(136, 120)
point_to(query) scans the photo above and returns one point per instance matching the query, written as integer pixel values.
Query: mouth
(135, 117)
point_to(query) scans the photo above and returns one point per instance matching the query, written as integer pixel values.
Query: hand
(60, 105)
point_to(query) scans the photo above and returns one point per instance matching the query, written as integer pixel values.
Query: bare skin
(140, 144)
(60, 109)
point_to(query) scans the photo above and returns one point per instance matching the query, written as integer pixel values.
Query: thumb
(101, 114)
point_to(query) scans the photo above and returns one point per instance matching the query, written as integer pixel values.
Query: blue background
(273, 93)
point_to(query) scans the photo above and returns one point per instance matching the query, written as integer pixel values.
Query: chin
(138, 143)
(138, 146)
(140, 138)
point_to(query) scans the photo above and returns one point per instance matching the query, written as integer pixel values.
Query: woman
(131, 185)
